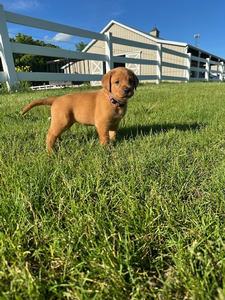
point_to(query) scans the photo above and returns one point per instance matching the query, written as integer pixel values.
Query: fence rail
(11, 77)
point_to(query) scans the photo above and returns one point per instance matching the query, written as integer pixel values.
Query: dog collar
(116, 102)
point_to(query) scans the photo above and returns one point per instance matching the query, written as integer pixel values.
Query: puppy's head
(120, 83)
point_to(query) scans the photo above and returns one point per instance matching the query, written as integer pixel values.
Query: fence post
(6, 53)
(207, 67)
(221, 70)
(109, 52)
(159, 66)
(188, 72)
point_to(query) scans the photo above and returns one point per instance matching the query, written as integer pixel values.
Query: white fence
(11, 77)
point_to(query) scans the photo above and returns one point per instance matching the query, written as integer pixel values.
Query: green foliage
(24, 85)
(141, 220)
(35, 62)
(80, 46)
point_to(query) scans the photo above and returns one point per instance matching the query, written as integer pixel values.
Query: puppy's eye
(117, 82)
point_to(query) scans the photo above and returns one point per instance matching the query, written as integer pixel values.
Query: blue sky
(177, 20)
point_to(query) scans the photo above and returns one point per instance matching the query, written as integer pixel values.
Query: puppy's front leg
(113, 132)
(103, 134)
(112, 135)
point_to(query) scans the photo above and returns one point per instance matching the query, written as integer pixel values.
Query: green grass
(142, 220)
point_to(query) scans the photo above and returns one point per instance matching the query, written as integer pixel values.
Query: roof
(150, 37)
(142, 33)
(154, 29)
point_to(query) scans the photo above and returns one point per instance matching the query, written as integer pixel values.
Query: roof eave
(155, 39)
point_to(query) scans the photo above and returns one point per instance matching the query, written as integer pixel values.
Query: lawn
(144, 219)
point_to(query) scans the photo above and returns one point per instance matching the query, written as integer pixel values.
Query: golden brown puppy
(104, 108)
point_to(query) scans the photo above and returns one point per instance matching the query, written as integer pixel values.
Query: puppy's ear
(106, 81)
(136, 81)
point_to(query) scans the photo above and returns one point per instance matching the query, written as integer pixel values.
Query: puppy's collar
(116, 102)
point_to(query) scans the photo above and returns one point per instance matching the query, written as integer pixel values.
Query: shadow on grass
(127, 133)
(135, 131)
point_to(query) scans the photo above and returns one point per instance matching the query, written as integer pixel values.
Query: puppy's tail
(47, 101)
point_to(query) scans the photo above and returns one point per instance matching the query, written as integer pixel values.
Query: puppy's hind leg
(54, 133)
(50, 141)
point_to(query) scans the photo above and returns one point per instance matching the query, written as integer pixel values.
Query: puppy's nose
(126, 90)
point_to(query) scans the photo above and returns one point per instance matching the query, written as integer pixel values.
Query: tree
(35, 63)
(80, 46)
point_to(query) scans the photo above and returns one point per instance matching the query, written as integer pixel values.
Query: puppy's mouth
(123, 95)
(128, 93)
(125, 98)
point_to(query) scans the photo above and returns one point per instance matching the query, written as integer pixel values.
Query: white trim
(134, 67)
(96, 69)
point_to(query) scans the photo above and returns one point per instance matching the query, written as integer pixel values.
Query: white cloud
(62, 37)
(59, 37)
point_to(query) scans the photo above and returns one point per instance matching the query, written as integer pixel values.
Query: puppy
(104, 108)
